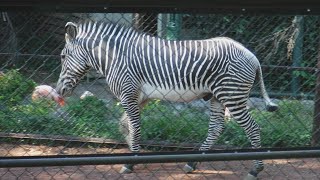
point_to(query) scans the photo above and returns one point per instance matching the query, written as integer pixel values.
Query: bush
(30, 118)
(84, 118)
(161, 121)
(14, 88)
(288, 127)
(94, 118)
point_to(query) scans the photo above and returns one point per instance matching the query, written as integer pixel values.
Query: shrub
(161, 121)
(94, 118)
(14, 88)
(29, 118)
(290, 126)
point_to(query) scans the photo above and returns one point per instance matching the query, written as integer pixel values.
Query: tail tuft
(271, 107)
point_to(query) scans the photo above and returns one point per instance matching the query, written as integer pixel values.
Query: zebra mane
(86, 26)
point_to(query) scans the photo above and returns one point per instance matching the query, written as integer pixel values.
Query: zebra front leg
(130, 128)
(123, 124)
(132, 139)
(216, 126)
(124, 129)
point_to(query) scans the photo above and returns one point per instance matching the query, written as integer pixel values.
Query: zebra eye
(63, 56)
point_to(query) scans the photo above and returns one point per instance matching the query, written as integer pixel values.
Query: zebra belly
(174, 94)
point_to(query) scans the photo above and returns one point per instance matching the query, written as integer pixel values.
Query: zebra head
(74, 61)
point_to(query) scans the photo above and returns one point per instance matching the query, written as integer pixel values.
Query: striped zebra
(139, 67)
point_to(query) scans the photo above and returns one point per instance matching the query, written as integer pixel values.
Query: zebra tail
(270, 106)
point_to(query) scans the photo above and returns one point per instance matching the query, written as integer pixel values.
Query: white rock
(86, 94)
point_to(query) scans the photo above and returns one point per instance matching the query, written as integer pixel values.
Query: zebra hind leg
(216, 126)
(252, 130)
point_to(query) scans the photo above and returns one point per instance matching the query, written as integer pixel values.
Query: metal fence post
(297, 53)
(316, 121)
(174, 26)
(146, 22)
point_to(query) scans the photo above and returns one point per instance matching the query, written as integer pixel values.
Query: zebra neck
(108, 51)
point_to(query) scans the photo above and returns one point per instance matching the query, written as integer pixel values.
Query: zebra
(139, 67)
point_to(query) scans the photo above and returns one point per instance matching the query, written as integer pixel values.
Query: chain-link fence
(30, 46)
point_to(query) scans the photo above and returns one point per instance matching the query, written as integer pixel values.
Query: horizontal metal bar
(290, 68)
(285, 94)
(244, 6)
(36, 55)
(6, 162)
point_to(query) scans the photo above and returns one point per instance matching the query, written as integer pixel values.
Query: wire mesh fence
(31, 43)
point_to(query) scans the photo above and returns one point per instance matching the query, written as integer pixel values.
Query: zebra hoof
(250, 177)
(126, 169)
(189, 167)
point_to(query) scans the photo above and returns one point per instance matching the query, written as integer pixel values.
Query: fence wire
(30, 46)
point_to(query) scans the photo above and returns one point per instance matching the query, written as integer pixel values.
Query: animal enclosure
(287, 47)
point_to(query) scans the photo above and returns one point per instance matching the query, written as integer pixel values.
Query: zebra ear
(71, 31)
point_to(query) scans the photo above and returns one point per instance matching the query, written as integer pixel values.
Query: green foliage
(307, 79)
(90, 117)
(94, 107)
(32, 118)
(160, 121)
(93, 118)
(14, 88)
(84, 118)
(290, 126)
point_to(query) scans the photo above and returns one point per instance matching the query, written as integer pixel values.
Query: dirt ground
(293, 169)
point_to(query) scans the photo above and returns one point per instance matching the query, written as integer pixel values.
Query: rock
(86, 94)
